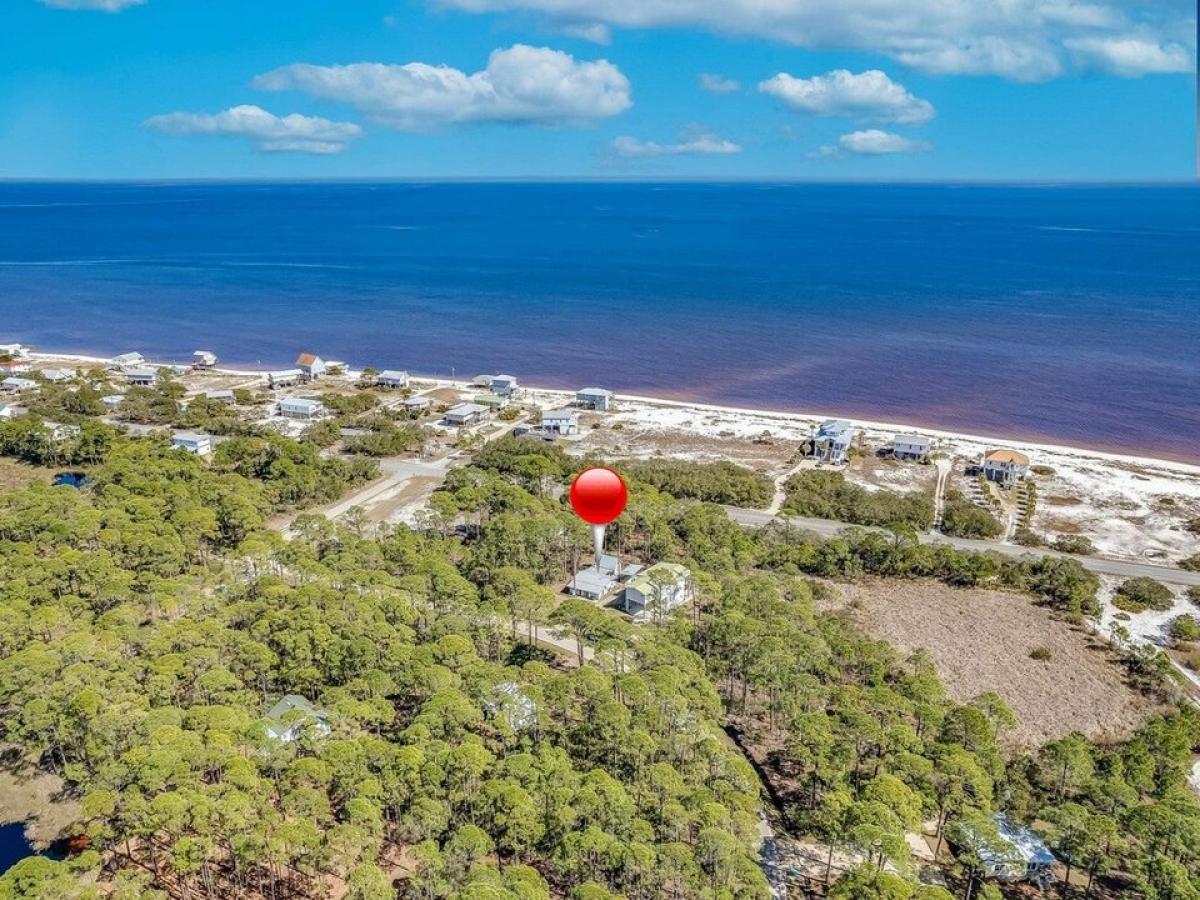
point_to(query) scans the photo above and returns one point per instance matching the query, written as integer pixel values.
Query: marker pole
(598, 541)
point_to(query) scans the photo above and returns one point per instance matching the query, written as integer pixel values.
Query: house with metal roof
(310, 365)
(112, 401)
(1005, 467)
(392, 378)
(504, 385)
(127, 360)
(293, 716)
(142, 377)
(1011, 854)
(14, 385)
(284, 377)
(225, 396)
(301, 408)
(831, 441)
(657, 590)
(602, 578)
(56, 376)
(561, 421)
(594, 398)
(204, 359)
(412, 403)
(910, 446)
(192, 442)
(466, 414)
(492, 401)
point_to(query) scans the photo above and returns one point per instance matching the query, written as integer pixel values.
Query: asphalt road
(1101, 566)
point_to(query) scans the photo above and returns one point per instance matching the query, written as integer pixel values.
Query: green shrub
(1185, 629)
(1193, 595)
(1041, 654)
(826, 494)
(1027, 537)
(719, 482)
(1191, 563)
(962, 518)
(1139, 594)
(1074, 543)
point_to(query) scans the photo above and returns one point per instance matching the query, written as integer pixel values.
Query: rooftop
(594, 391)
(833, 427)
(644, 581)
(919, 439)
(560, 414)
(1007, 456)
(393, 375)
(466, 409)
(306, 359)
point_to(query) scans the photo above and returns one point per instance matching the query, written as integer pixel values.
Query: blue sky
(842, 89)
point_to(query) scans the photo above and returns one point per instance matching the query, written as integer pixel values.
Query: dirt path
(944, 468)
(781, 479)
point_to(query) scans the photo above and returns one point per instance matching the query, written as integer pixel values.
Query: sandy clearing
(980, 641)
(33, 798)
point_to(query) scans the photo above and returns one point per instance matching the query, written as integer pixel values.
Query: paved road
(1099, 565)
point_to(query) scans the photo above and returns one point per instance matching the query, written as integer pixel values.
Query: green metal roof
(644, 583)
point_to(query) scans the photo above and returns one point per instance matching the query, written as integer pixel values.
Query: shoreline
(783, 416)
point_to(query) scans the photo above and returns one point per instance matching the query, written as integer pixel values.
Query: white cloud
(520, 84)
(870, 142)
(294, 133)
(111, 6)
(869, 95)
(1132, 56)
(715, 84)
(1018, 39)
(699, 143)
(596, 32)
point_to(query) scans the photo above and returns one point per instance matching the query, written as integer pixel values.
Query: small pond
(13, 846)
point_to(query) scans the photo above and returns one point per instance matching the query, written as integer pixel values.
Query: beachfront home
(301, 408)
(504, 385)
(127, 360)
(192, 442)
(1012, 854)
(656, 590)
(112, 401)
(57, 376)
(466, 414)
(510, 704)
(15, 351)
(594, 398)
(13, 366)
(142, 377)
(831, 441)
(910, 446)
(283, 378)
(1005, 467)
(311, 366)
(392, 378)
(14, 385)
(6, 411)
(294, 716)
(204, 359)
(225, 396)
(61, 432)
(601, 578)
(492, 401)
(336, 367)
(560, 421)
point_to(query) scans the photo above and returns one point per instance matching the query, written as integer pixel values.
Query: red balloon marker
(598, 496)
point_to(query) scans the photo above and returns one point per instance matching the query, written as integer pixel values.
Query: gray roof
(834, 428)
(592, 581)
(560, 414)
(417, 401)
(593, 392)
(918, 440)
(392, 375)
(1031, 847)
(466, 409)
(142, 373)
(301, 402)
(192, 437)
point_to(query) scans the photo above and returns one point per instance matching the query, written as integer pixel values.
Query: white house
(128, 360)
(1005, 467)
(112, 401)
(1013, 854)
(561, 421)
(142, 377)
(310, 365)
(284, 377)
(15, 385)
(910, 446)
(594, 398)
(392, 378)
(292, 716)
(831, 441)
(192, 442)
(225, 396)
(601, 578)
(466, 414)
(6, 411)
(413, 403)
(14, 350)
(504, 385)
(301, 408)
(661, 587)
(54, 376)
(204, 359)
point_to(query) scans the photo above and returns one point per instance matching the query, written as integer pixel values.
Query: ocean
(1057, 313)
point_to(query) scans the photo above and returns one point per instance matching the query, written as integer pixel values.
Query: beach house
(57, 376)
(492, 401)
(1005, 467)
(127, 360)
(293, 716)
(831, 441)
(466, 414)
(301, 408)
(14, 351)
(311, 366)
(14, 385)
(6, 411)
(594, 398)
(910, 446)
(192, 442)
(413, 404)
(561, 421)
(142, 377)
(601, 578)
(112, 401)
(204, 359)
(284, 378)
(225, 396)
(658, 589)
(392, 378)
(504, 385)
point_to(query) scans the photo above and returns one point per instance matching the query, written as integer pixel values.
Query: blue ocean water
(1051, 312)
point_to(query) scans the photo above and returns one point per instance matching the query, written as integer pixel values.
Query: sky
(823, 89)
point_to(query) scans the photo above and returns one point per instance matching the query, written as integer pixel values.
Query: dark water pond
(13, 846)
